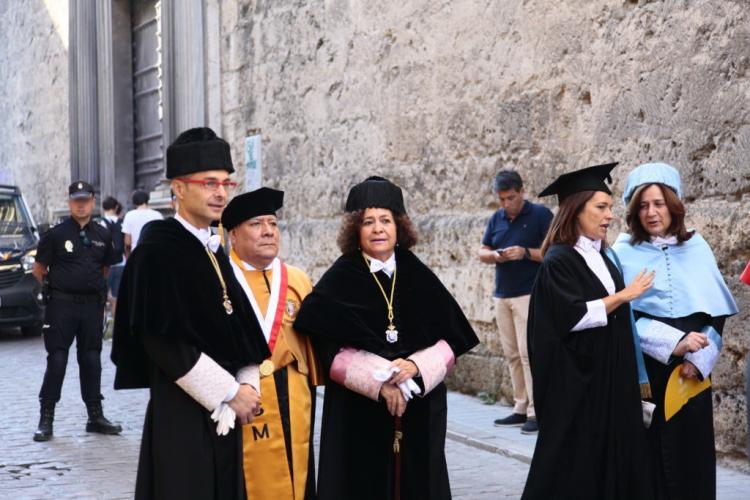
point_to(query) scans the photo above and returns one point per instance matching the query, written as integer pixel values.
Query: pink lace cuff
(353, 369)
(434, 364)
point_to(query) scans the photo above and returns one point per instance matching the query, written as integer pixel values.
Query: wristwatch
(526, 253)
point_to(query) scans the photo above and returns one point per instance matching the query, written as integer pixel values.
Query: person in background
(511, 243)
(136, 219)
(679, 322)
(74, 257)
(584, 361)
(745, 278)
(112, 220)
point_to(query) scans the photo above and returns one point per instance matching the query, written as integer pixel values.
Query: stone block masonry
(438, 96)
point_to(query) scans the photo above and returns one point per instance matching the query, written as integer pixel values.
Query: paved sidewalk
(471, 422)
(484, 462)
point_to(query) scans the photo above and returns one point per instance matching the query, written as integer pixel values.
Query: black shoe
(512, 420)
(47, 415)
(98, 422)
(530, 427)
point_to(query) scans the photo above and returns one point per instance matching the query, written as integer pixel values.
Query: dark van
(21, 300)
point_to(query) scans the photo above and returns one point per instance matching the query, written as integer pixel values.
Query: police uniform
(76, 291)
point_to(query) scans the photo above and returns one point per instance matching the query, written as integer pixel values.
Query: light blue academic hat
(650, 173)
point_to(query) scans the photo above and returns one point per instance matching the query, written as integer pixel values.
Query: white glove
(408, 388)
(225, 417)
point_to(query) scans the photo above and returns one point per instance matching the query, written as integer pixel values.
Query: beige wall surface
(35, 150)
(439, 95)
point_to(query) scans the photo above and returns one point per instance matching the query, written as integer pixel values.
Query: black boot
(98, 422)
(47, 415)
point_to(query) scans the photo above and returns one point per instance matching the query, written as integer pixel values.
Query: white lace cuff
(207, 382)
(596, 316)
(250, 375)
(658, 339)
(705, 359)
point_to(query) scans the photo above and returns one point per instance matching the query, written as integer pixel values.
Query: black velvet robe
(591, 442)
(169, 311)
(347, 309)
(689, 433)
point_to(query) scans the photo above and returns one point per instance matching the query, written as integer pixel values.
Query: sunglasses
(85, 238)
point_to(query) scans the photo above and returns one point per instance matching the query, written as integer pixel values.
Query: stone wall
(35, 149)
(438, 95)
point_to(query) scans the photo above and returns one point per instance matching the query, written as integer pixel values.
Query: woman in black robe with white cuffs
(591, 442)
(387, 333)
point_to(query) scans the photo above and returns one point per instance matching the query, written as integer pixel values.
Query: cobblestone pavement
(483, 462)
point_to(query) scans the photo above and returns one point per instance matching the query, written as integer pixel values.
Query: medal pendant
(391, 334)
(266, 368)
(228, 306)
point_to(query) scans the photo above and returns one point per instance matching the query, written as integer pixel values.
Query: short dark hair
(676, 209)
(506, 180)
(348, 238)
(140, 198)
(110, 203)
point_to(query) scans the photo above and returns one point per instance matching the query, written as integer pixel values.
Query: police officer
(75, 257)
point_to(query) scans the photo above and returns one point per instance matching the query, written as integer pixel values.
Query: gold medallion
(266, 368)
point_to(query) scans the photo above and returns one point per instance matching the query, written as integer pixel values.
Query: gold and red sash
(269, 324)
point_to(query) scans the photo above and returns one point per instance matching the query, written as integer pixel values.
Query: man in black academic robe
(185, 330)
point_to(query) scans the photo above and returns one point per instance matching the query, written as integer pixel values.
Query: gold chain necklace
(391, 334)
(226, 302)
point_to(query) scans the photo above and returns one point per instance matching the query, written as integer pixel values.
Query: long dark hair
(676, 209)
(564, 226)
(348, 238)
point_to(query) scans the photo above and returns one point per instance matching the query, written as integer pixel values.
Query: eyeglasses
(85, 238)
(211, 184)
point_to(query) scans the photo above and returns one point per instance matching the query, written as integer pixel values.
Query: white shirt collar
(589, 245)
(658, 240)
(377, 265)
(250, 267)
(212, 241)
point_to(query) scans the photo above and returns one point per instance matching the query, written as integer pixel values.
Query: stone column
(115, 98)
(183, 59)
(105, 87)
(84, 137)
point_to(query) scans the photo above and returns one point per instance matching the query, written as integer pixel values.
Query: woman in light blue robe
(679, 323)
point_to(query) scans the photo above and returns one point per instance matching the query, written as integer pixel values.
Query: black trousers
(65, 320)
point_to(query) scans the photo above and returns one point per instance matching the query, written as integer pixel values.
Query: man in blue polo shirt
(511, 242)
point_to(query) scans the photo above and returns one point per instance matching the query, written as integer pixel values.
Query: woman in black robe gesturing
(591, 442)
(387, 332)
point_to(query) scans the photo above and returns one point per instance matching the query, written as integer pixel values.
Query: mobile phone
(500, 250)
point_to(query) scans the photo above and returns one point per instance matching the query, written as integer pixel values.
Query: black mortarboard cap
(263, 201)
(586, 179)
(80, 190)
(196, 150)
(376, 192)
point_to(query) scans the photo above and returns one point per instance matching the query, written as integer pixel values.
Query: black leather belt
(87, 298)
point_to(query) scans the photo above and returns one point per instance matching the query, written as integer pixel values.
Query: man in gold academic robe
(277, 445)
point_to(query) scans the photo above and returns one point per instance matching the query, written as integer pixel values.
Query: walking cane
(397, 437)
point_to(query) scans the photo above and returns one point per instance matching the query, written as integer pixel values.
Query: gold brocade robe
(265, 448)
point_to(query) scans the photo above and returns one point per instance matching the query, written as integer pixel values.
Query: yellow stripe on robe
(267, 474)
